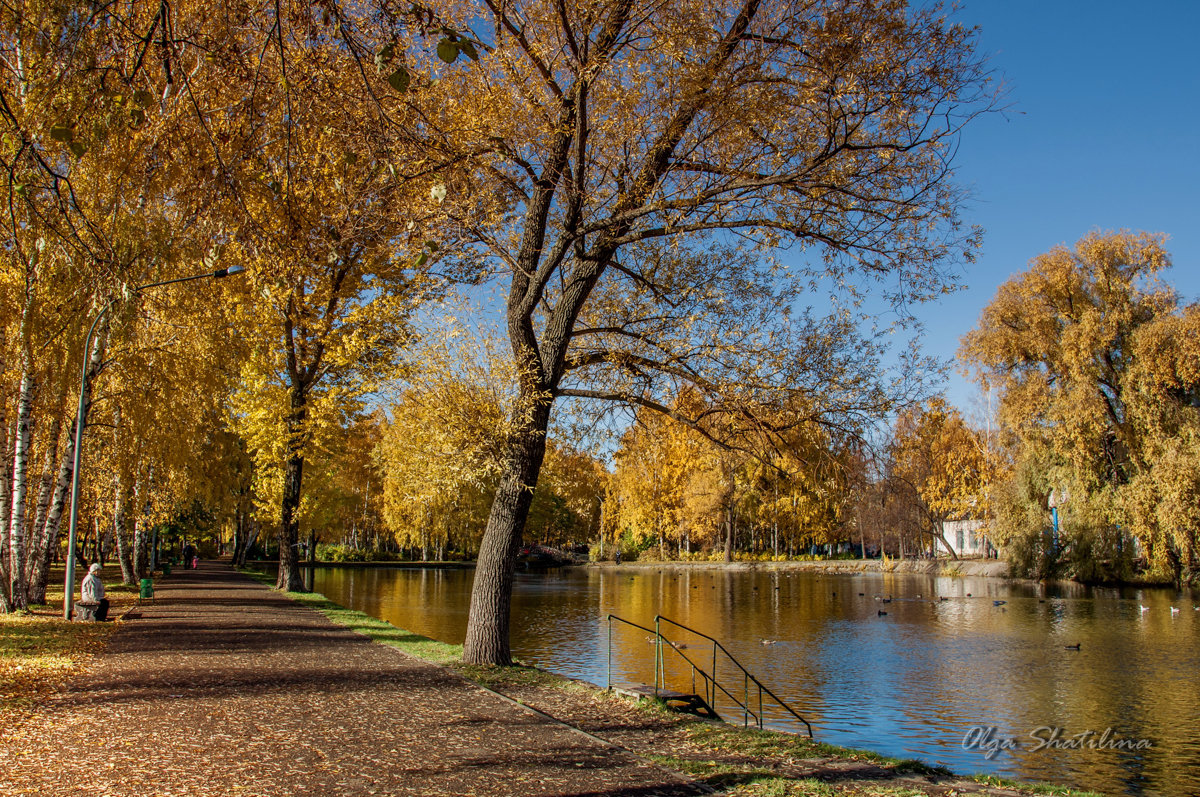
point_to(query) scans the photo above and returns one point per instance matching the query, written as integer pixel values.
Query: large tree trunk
(290, 577)
(491, 596)
(289, 526)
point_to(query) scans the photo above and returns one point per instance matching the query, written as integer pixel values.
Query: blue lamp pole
(69, 582)
(1056, 499)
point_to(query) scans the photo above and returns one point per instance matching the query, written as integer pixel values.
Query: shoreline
(984, 568)
(973, 568)
(713, 757)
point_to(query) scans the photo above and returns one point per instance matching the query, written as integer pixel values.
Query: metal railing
(708, 678)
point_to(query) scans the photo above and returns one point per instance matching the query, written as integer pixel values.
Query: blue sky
(1102, 133)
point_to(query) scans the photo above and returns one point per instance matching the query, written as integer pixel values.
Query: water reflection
(901, 664)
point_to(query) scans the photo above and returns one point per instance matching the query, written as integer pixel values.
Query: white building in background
(966, 537)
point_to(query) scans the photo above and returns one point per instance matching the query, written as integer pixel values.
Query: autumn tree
(322, 200)
(629, 137)
(1162, 500)
(655, 463)
(566, 505)
(939, 468)
(441, 446)
(94, 207)
(1091, 355)
(441, 450)
(676, 483)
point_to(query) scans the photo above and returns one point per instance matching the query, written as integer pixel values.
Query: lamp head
(225, 272)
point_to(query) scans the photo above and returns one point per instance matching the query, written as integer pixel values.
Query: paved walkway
(222, 686)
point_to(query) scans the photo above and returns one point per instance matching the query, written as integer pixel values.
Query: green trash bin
(166, 568)
(147, 588)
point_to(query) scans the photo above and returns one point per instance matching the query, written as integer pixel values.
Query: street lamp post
(69, 581)
(1057, 498)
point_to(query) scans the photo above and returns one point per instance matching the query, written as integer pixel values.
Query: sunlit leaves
(943, 461)
(1097, 394)
(676, 491)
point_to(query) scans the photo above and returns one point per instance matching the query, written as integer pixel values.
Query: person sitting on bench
(92, 591)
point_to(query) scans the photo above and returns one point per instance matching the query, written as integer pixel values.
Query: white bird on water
(1174, 610)
(1143, 608)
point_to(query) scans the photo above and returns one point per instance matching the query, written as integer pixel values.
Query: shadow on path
(221, 686)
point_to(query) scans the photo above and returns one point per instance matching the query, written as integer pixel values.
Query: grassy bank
(730, 759)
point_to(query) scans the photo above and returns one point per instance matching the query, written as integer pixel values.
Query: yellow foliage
(1099, 383)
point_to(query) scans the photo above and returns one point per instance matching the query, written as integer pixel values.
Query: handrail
(612, 617)
(738, 664)
(712, 685)
(711, 682)
(659, 638)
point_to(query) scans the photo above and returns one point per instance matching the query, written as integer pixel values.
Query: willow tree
(1090, 353)
(646, 151)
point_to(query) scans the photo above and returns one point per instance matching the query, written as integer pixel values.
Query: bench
(86, 612)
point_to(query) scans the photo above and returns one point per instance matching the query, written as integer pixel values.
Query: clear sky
(1102, 133)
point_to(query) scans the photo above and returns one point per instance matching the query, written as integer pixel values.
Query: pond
(975, 674)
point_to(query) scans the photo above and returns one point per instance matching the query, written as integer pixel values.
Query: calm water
(911, 683)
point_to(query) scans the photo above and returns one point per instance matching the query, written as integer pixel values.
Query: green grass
(1033, 788)
(725, 776)
(377, 630)
(752, 742)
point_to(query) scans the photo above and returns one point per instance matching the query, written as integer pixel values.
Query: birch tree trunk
(47, 532)
(251, 538)
(5, 486)
(141, 565)
(18, 594)
(121, 495)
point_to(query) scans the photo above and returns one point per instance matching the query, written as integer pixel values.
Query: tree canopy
(1092, 357)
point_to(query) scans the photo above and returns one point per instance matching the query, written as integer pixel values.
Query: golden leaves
(947, 462)
(1098, 382)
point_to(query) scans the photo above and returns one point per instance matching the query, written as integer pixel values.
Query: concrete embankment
(990, 568)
